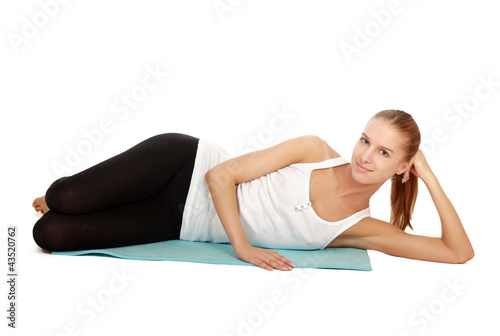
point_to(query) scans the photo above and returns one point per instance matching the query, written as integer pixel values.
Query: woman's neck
(353, 192)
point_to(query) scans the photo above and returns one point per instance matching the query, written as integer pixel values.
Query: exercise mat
(213, 253)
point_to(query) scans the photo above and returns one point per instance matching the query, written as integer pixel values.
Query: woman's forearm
(453, 233)
(223, 194)
(222, 189)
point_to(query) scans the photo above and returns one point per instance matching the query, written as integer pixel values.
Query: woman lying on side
(299, 194)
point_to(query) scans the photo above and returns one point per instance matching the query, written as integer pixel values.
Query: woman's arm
(453, 246)
(452, 232)
(223, 178)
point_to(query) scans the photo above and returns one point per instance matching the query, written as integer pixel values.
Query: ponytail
(403, 198)
(403, 195)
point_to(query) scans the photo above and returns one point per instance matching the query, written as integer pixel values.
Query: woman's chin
(361, 178)
(366, 177)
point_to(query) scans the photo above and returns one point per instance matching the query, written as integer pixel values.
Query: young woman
(299, 194)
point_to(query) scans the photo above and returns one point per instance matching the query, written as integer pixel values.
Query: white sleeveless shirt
(275, 209)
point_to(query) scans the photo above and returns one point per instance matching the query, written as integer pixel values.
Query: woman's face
(378, 154)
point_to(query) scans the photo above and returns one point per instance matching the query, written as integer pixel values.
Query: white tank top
(275, 209)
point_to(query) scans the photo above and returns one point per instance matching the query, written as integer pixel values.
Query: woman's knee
(58, 196)
(46, 233)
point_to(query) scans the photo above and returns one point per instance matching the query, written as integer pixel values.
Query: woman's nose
(366, 156)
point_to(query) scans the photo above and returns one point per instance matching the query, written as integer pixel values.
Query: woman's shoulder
(319, 149)
(249, 166)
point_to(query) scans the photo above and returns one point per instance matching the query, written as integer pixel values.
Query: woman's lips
(362, 169)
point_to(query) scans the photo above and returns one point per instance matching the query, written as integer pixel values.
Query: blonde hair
(403, 195)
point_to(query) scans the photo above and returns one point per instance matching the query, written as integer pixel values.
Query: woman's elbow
(214, 175)
(208, 175)
(463, 256)
(218, 179)
(211, 177)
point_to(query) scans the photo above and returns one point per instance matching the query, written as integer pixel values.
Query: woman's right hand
(266, 259)
(419, 167)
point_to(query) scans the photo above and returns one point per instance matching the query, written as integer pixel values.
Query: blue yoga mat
(212, 253)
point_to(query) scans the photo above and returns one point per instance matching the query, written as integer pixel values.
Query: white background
(232, 69)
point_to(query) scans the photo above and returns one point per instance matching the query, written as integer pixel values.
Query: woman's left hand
(419, 167)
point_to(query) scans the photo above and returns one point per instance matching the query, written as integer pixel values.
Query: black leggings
(135, 197)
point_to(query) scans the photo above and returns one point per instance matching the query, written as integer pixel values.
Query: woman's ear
(402, 169)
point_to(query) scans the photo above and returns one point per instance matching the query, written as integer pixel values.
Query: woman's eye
(384, 153)
(363, 140)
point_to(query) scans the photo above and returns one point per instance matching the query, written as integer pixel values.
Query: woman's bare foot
(40, 205)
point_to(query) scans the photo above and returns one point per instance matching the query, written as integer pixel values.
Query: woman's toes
(40, 205)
